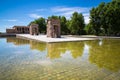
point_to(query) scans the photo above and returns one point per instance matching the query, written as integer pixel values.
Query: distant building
(53, 28)
(32, 29)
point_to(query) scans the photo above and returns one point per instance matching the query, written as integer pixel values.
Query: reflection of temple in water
(105, 55)
(17, 41)
(33, 44)
(54, 50)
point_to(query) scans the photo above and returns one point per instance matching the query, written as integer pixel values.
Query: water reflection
(104, 53)
(33, 44)
(54, 50)
(17, 41)
(38, 46)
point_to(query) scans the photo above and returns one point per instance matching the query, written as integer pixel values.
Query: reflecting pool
(22, 59)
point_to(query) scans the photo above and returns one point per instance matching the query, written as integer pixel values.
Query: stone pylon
(34, 29)
(53, 28)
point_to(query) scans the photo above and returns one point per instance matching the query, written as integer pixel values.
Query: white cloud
(86, 17)
(87, 20)
(68, 11)
(39, 10)
(35, 16)
(62, 11)
(10, 20)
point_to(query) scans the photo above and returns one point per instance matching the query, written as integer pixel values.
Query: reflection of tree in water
(17, 41)
(106, 55)
(33, 44)
(37, 45)
(76, 49)
(56, 49)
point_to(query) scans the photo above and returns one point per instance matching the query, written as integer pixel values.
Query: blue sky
(21, 12)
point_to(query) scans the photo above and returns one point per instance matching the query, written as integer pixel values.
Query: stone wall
(34, 29)
(21, 29)
(10, 30)
(53, 28)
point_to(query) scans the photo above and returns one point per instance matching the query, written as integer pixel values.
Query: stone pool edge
(43, 38)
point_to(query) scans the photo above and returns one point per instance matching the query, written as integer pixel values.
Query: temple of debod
(53, 29)
(32, 29)
(53, 33)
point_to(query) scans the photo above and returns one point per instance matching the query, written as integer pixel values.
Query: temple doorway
(53, 28)
(55, 33)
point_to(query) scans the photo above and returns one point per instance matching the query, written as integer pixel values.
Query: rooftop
(20, 26)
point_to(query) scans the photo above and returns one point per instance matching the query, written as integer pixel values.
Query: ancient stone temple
(34, 29)
(18, 30)
(53, 28)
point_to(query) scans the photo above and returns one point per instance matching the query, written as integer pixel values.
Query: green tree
(96, 16)
(42, 24)
(77, 24)
(89, 29)
(53, 17)
(105, 18)
(64, 28)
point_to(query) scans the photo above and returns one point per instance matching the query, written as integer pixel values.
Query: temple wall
(10, 30)
(33, 29)
(53, 28)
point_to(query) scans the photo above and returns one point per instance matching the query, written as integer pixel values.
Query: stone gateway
(32, 29)
(53, 28)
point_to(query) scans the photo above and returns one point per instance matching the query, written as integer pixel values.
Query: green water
(86, 60)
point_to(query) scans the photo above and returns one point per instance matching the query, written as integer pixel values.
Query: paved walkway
(43, 38)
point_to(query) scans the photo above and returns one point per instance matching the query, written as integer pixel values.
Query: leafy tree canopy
(105, 19)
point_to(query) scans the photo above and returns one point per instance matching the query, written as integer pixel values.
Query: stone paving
(43, 38)
(79, 73)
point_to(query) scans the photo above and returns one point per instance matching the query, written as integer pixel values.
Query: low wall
(7, 35)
